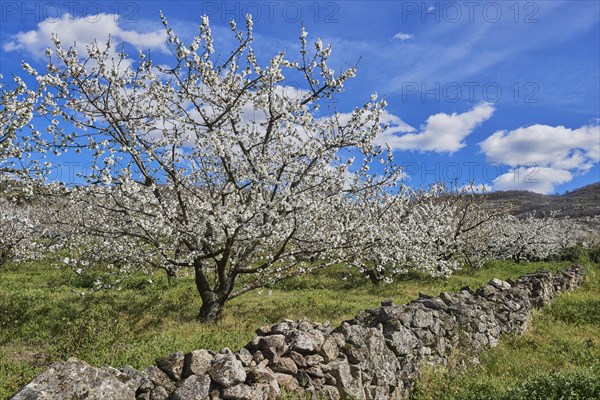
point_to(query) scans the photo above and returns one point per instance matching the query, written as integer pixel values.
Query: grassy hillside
(580, 203)
(44, 315)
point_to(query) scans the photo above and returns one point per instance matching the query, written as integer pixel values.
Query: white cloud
(545, 146)
(83, 32)
(542, 156)
(441, 133)
(534, 179)
(396, 125)
(403, 36)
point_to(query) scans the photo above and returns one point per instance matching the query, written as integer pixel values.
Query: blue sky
(504, 93)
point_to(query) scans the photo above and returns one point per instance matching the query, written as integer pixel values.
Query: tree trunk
(210, 311)
(171, 276)
(373, 277)
(213, 298)
(5, 256)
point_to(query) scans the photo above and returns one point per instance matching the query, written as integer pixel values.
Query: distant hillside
(581, 204)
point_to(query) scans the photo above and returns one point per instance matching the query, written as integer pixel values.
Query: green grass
(557, 358)
(44, 317)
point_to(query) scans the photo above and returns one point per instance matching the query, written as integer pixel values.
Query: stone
(305, 342)
(313, 359)
(493, 340)
(240, 392)
(158, 377)
(172, 365)
(282, 327)
(270, 354)
(366, 317)
(434, 303)
(422, 319)
(402, 341)
(388, 313)
(315, 372)
(513, 305)
(466, 290)
(500, 284)
(437, 328)
(486, 291)
(245, 357)
(329, 379)
(144, 386)
(446, 298)
(159, 393)
(316, 384)
(142, 396)
(440, 346)
(284, 365)
(330, 349)
(75, 379)
(263, 330)
(425, 351)
(354, 353)
(226, 369)
(131, 372)
(330, 392)
(425, 336)
(379, 393)
(297, 358)
(195, 387)
(196, 362)
(287, 381)
(348, 385)
(353, 334)
(383, 363)
(258, 357)
(275, 341)
(305, 325)
(260, 374)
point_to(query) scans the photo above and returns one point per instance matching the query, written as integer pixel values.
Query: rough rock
(422, 319)
(276, 341)
(84, 381)
(305, 342)
(196, 362)
(284, 365)
(195, 387)
(158, 378)
(240, 392)
(172, 365)
(226, 369)
(330, 349)
(245, 357)
(159, 393)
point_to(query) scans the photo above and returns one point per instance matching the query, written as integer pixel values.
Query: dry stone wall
(376, 355)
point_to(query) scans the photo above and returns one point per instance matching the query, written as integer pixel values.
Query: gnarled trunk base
(210, 311)
(373, 276)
